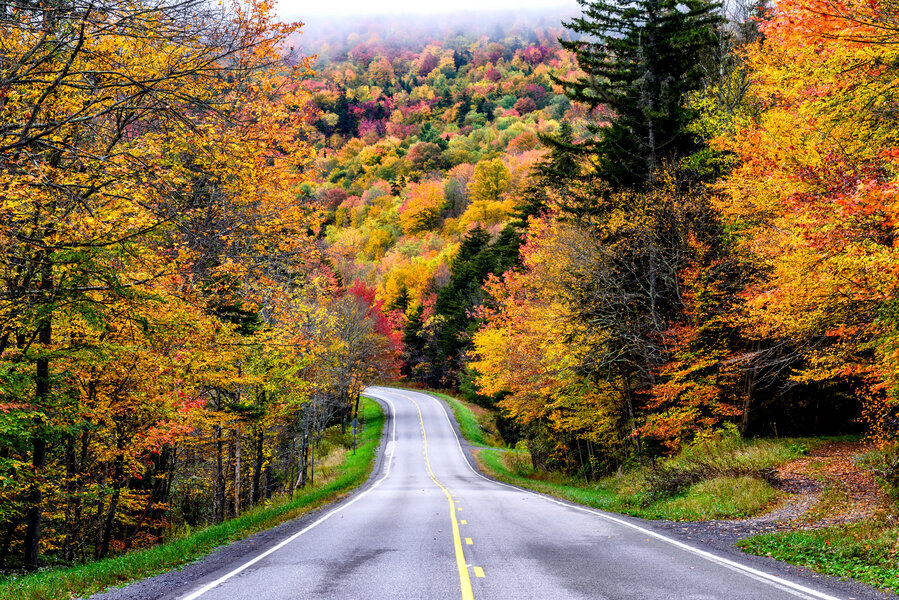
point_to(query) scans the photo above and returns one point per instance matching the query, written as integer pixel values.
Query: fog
(306, 10)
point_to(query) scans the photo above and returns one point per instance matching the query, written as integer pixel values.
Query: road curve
(431, 527)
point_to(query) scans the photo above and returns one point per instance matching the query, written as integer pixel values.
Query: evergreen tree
(558, 169)
(346, 120)
(413, 344)
(641, 58)
(464, 108)
(433, 352)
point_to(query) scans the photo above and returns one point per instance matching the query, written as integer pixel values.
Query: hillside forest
(626, 230)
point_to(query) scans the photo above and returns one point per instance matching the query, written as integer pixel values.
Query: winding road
(429, 526)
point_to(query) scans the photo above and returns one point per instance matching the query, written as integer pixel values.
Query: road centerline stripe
(464, 578)
(786, 585)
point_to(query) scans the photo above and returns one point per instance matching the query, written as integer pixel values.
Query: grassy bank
(718, 480)
(718, 498)
(866, 551)
(335, 479)
(476, 423)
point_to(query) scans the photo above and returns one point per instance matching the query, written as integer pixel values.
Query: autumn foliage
(167, 322)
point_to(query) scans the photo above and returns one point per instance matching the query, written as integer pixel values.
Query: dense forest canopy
(561, 223)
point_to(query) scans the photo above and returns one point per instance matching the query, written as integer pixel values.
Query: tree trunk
(118, 481)
(79, 506)
(218, 501)
(156, 492)
(257, 467)
(749, 390)
(628, 397)
(39, 445)
(71, 526)
(237, 481)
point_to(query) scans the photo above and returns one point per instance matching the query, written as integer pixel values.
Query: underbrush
(723, 456)
(717, 498)
(725, 497)
(339, 472)
(884, 463)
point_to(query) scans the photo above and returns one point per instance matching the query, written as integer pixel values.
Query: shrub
(884, 463)
(726, 455)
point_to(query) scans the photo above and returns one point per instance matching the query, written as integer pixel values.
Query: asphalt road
(431, 527)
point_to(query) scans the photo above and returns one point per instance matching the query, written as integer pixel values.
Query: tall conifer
(641, 58)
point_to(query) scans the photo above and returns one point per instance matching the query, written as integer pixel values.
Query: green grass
(719, 472)
(84, 580)
(479, 431)
(511, 467)
(719, 498)
(732, 454)
(723, 497)
(867, 551)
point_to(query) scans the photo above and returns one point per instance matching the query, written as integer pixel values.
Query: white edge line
(774, 580)
(250, 563)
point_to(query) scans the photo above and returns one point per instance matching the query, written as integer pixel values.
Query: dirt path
(822, 489)
(826, 488)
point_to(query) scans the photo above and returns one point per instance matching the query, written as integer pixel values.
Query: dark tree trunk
(109, 522)
(157, 491)
(71, 525)
(257, 467)
(237, 472)
(39, 445)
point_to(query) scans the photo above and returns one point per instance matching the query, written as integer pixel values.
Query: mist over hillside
(338, 34)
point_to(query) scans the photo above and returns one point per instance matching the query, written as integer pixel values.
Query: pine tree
(464, 108)
(444, 341)
(558, 169)
(641, 58)
(346, 120)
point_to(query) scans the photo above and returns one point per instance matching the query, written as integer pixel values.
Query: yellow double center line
(464, 578)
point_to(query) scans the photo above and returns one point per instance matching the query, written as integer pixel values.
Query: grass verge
(476, 423)
(866, 551)
(717, 484)
(87, 579)
(719, 498)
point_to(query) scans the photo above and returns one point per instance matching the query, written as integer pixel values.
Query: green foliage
(866, 551)
(490, 180)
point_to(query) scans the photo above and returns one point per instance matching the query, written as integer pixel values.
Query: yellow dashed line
(468, 541)
(464, 522)
(479, 572)
(464, 578)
